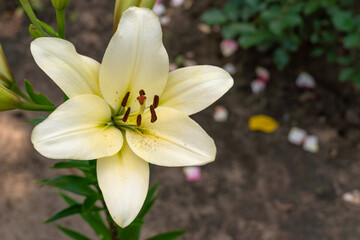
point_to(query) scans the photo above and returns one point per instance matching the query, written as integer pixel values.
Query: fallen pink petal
(258, 86)
(228, 47)
(192, 174)
(262, 73)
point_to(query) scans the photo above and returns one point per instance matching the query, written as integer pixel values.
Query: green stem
(112, 225)
(36, 107)
(60, 18)
(28, 9)
(18, 91)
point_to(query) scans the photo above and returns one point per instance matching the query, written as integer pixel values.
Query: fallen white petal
(221, 114)
(305, 80)
(297, 136)
(311, 144)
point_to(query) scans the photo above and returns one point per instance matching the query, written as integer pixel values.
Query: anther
(156, 101)
(153, 114)
(125, 99)
(141, 99)
(138, 120)
(142, 92)
(127, 113)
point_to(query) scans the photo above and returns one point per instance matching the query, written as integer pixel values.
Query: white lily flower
(127, 111)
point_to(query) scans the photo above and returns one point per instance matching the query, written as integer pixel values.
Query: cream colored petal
(135, 59)
(173, 140)
(124, 181)
(191, 89)
(73, 73)
(78, 130)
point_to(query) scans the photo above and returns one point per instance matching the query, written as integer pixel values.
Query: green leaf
(311, 6)
(49, 29)
(36, 97)
(262, 35)
(233, 30)
(347, 74)
(344, 60)
(92, 218)
(89, 203)
(74, 209)
(73, 234)
(150, 199)
(317, 52)
(231, 11)
(72, 183)
(168, 236)
(352, 40)
(213, 17)
(343, 20)
(281, 58)
(36, 121)
(71, 164)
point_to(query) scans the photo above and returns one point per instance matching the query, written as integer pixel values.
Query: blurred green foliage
(282, 26)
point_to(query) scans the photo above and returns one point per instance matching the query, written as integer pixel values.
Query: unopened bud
(8, 99)
(147, 3)
(6, 77)
(60, 4)
(122, 5)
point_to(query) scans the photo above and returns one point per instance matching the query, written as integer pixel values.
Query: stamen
(138, 120)
(127, 113)
(125, 99)
(141, 99)
(153, 114)
(142, 92)
(156, 101)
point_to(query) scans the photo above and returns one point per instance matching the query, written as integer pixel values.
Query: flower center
(128, 119)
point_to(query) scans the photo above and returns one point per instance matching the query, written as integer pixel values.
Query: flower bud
(6, 77)
(147, 3)
(60, 4)
(122, 5)
(8, 99)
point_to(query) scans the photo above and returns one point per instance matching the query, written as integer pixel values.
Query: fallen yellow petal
(263, 123)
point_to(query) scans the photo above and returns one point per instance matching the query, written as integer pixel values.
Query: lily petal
(173, 140)
(124, 181)
(78, 129)
(73, 73)
(135, 59)
(191, 89)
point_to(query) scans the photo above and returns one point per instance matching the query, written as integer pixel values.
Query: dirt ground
(259, 188)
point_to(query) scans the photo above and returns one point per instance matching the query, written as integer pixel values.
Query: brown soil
(259, 187)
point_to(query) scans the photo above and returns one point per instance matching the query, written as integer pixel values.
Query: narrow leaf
(36, 97)
(36, 121)
(48, 29)
(73, 234)
(93, 219)
(89, 203)
(74, 209)
(168, 236)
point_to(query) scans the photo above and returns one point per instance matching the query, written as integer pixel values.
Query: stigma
(135, 119)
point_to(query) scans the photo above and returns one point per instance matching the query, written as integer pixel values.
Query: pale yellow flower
(127, 111)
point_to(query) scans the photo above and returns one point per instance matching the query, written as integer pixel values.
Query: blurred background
(287, 133)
